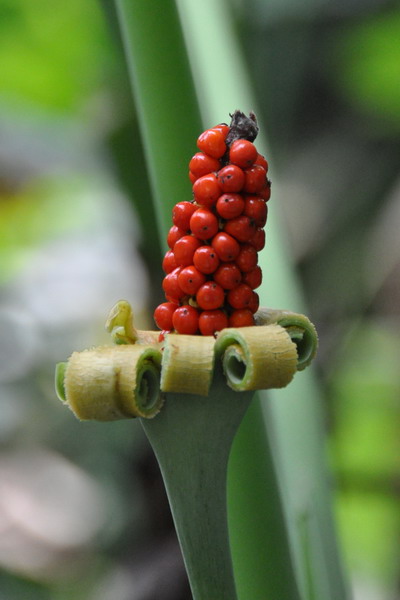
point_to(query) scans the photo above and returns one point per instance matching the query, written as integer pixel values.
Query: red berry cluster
(211, 265)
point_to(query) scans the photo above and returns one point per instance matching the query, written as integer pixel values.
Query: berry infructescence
(211, 265)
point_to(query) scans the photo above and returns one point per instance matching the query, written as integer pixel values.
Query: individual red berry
(184, 250)
(205, 259)
(211, 321)
(247, 259)
(169, 262)
(190, 279)
(253, 278)
(258, 239)
(228, 275)
(212, 142)
(174, 234)
(186, 320)
(181, 214)
(243, 153)
(256, 208)
(254, 302)
(203, 224)
(265, 193)
(242, 228)
(231, 178)
(163, 315)
(210, 296)
(223, 128)
(242, 317)
(230, 206)
(255, 179)
(201, 164)
(262, 161)
(171, 287)
(240, 296)
(226, 247)
(207, 190)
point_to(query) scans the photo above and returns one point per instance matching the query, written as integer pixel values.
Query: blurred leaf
(14, 588)
(366, 449)
(369, 526)
(56, 58)
(366, 388)
(368, 67)
(42, 212)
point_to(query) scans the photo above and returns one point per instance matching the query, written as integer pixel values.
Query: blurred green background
(83, 513)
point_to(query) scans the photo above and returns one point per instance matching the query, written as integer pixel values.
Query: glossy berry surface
(255, 179)
(163, 315)
(190, 279)
(171, 287)
(184, 250)
(231, 178)
(212, 142)
(262, 161)
(186, 320)
(211, 321)
(181, 214)
(240, 296)
(258, 239)
(230, 206)
(242, 317)
(169, 262)
(254, 302)
(207, 190)
(226, 247)
(247, 258)
(265, 193)
(206, 260)
(243, 153)
(223, 128)
(174, 234)
(242, 228)
(201, 164)
(256, 208)
(228, 276)
(210, 296)
(253, 278)
(203, 224)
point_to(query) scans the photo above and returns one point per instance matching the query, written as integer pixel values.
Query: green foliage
(37, 214)
(368, 67)
(366, 385)
(51, 57)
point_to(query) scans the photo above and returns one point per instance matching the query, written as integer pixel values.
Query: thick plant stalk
(192, 439)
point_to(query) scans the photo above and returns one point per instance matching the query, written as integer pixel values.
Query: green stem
(192, 439)
(164, 96)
